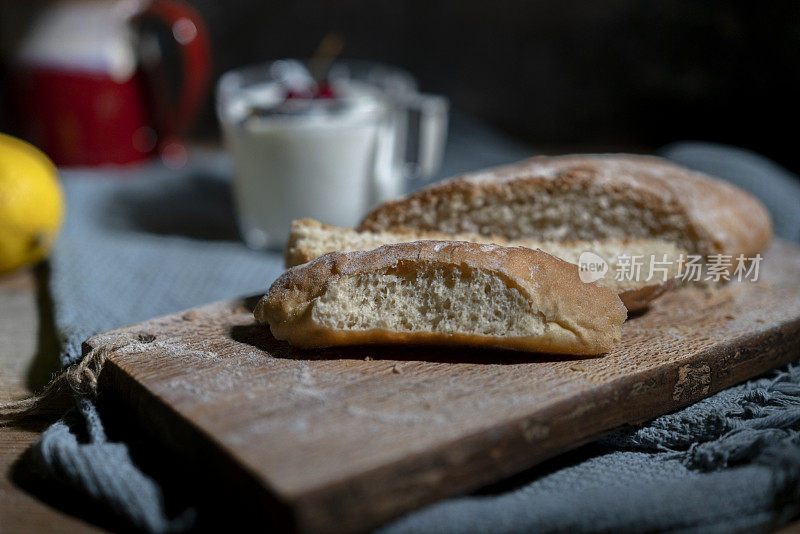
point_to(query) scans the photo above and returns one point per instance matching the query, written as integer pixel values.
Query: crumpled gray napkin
(145, 242)
(729, 463)
(137, 244)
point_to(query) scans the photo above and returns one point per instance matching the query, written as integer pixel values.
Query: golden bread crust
(719, 217)
(581, 318)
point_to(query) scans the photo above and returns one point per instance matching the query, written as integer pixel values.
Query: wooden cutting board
(347, 439)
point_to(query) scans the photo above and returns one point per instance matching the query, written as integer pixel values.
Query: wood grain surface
(28, 358)
(346, 439)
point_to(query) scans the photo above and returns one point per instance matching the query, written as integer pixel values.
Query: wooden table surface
(28, 356)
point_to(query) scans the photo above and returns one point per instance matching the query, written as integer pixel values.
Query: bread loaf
(443, 292)
(309, 239)
(588, 197)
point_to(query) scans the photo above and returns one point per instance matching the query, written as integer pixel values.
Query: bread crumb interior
(432, 298)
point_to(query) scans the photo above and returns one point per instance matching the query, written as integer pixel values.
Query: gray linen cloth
(144, 242)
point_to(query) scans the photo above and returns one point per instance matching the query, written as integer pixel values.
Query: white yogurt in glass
(331, 159)
(298, 159)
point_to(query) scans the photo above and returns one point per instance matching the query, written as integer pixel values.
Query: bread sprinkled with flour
(588, 197)
(443, 292)
(309, 239)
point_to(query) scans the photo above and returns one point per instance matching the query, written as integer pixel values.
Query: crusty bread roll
(443, 292)
(309, 239)
(588, 197)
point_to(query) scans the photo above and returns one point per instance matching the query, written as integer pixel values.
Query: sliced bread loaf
(443, 292)
(309, 239)
(588, 197)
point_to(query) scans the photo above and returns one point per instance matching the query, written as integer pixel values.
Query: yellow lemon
(31, 204)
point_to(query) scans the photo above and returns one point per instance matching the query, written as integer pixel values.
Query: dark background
(562, 75)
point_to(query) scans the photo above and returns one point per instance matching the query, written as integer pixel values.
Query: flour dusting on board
(394, 418)
(171, 346)
(230, 371)
(305, 385)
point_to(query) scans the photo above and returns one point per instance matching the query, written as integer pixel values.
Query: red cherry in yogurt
(322, 90)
